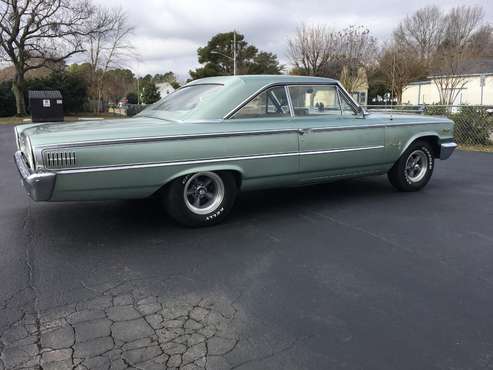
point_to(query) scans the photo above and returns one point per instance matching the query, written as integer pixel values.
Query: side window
(270, 103)
(314, 100)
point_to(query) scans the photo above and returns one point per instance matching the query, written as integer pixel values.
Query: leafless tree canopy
(444, 43)
(320, 51)
(312, 48)
(39, 33)
(421, 33)
(107, 45)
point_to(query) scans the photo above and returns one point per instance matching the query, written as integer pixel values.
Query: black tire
(183, 209)
(401, 173)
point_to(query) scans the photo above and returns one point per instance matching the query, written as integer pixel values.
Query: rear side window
(272, 102)
(186, 98)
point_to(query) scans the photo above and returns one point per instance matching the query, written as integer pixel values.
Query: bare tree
(421, 33)
(399, 66)
(108, 47)
(311, 49)
(319, 51)
(40, 33)
(456, 51)
(356, 51)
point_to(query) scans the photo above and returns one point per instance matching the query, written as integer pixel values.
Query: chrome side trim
(165, 138)
(211, 160)
(357, 127)
(79, 144)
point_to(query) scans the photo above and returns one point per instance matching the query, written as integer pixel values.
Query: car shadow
(147, 216)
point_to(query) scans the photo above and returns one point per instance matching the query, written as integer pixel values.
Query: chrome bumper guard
(39, 186)
(446, 149)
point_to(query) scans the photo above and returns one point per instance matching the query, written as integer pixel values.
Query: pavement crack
(29, 262)
(272, 354)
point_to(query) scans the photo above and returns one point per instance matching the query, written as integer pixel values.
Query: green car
(199, 146)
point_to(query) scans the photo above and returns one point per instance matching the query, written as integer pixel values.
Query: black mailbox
(46, 106)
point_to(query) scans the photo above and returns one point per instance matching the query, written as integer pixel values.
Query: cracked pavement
(120, 329)
(350, 275)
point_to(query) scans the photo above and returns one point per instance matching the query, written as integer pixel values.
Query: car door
(268, 144)
(334, 138)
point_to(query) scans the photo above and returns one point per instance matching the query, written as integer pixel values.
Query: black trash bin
(46, 105)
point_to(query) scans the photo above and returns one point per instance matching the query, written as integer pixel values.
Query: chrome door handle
(302, 131)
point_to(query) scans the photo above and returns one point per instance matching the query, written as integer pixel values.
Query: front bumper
(446, 149)
(39, 186)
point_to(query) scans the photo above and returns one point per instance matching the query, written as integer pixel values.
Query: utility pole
(138, 90)
(482, 81)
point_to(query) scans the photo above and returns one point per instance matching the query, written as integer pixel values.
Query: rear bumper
(39, 186)
(446, 149)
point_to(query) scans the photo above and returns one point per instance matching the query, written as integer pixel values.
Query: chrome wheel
(203, 192)
(416, 166)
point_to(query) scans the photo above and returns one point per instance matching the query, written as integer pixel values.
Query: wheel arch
(431, 138)
(237, 172)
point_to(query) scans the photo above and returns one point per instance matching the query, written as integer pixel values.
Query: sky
(168, 33)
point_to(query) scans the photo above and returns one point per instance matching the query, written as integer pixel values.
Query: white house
(164, 88)
(477, 90)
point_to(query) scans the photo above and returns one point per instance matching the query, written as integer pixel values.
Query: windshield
(185, 99)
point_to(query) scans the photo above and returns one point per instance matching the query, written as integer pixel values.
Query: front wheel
(202, 198)
(414, 168)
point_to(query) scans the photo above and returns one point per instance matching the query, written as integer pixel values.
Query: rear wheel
(202, 198)
(414, 168)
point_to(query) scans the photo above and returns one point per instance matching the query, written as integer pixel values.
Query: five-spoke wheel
(203, 192)
(414, 168)
(202, 198)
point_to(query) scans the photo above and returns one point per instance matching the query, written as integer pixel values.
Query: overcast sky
(168, 33)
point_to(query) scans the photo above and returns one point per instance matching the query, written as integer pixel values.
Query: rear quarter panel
(135, 170)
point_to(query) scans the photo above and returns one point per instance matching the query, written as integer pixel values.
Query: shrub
(133, 109)
(472, 126)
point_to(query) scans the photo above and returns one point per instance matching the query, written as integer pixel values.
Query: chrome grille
(59, 159)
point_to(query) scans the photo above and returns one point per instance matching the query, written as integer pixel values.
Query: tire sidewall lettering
(214, 214)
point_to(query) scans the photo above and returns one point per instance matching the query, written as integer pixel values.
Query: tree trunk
(18, 86)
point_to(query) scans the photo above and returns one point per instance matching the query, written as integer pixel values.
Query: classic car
(198, 147)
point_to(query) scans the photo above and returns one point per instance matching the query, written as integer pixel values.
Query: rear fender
(206, 168)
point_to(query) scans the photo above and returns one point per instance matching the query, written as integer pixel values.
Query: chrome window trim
(290, 102)
(339, 99)
(230, 115)
(318, 115)
(212, 160)
(349, 98)
(262, 89)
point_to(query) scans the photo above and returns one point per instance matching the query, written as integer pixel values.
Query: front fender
(418, 136)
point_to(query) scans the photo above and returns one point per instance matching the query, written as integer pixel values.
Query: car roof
(236, 89)
(262, 79)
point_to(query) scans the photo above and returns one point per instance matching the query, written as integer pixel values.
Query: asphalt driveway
(350, 275)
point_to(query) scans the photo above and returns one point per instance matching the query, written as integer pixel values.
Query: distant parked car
(201, 145)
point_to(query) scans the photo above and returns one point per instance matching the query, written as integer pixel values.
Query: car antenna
(392, 88)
